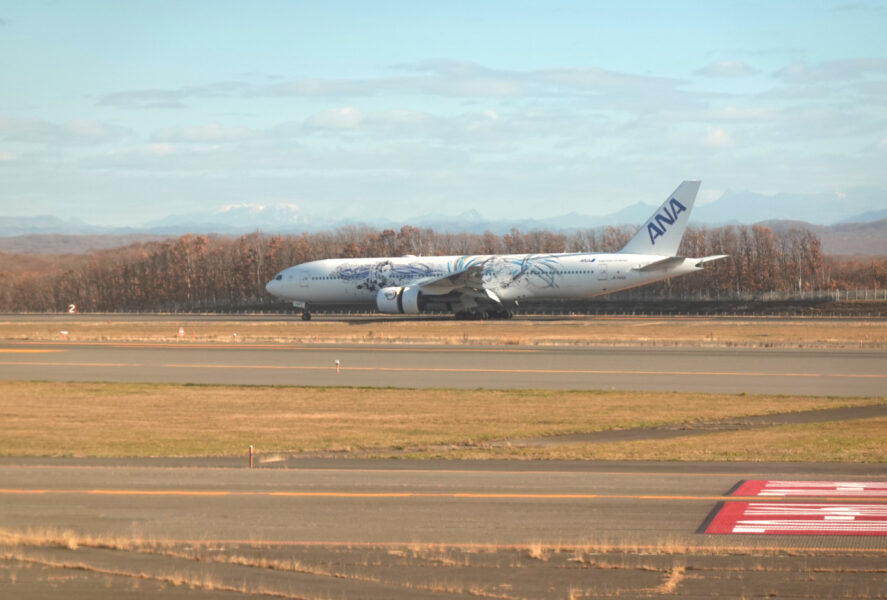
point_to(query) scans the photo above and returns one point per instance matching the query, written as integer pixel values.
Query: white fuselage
(511, 277)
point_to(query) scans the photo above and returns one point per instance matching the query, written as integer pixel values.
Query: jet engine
(400, 300)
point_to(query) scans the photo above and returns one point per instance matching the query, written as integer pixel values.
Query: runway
(349, 502)
(755, 371)
(86, 528)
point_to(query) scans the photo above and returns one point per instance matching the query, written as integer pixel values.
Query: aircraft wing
(470, 278)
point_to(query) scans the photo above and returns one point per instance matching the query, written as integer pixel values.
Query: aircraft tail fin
(661, 234)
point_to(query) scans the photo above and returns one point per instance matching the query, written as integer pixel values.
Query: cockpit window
(279, 277)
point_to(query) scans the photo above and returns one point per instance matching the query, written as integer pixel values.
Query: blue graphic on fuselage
(499, 272)
(382, 274)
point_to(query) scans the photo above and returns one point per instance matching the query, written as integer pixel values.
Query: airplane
(488, 286)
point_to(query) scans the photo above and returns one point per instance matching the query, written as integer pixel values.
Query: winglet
(661, 234)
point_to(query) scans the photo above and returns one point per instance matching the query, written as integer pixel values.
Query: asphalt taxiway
(726, 370)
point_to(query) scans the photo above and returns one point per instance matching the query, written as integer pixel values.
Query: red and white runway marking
(801, 489)
(778, 518)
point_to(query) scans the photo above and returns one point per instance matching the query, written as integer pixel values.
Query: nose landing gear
(306, 314)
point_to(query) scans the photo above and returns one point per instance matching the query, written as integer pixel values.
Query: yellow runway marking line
(732, 476)
(368, 348)
(10, 363)
(420, 495)
(297, 347)
(525, 371)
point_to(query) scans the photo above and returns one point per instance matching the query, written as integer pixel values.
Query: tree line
(217, 273)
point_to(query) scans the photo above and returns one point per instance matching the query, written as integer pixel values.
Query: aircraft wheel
(306, 316)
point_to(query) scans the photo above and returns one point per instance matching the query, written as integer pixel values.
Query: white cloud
(76, 132)
(875, 91)
(735, 113)
(715, 137)
(708, 195)
(175, 98)
(211, 133)
(346, 117)
(159, 149)
(834, 70)
(442, 78)
(145, 99)
(391, 122)
(726, 68)
(403, 117)
(312, 88)
(454, 129)
(459, 79)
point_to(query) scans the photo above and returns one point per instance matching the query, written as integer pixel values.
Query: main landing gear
(306, 316)
(492, 314)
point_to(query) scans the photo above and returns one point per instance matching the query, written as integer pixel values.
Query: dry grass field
(859, 440)
(117, 419)
(674, 331)
(77, 566)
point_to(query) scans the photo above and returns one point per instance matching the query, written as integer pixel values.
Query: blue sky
(119, 113)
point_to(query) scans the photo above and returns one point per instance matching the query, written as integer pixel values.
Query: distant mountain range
(286, 218)
(859, 206)
(866, 217)
(869, 239)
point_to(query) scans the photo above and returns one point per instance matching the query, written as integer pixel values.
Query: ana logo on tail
(659, 224)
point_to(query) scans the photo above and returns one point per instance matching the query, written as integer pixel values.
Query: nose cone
(272, 286)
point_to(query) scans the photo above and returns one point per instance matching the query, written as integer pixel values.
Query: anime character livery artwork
(487, 286)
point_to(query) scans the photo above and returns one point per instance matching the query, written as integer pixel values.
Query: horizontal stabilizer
(712, 258)
(661, 265)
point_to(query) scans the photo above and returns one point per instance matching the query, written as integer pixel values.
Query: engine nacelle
(400, 300)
